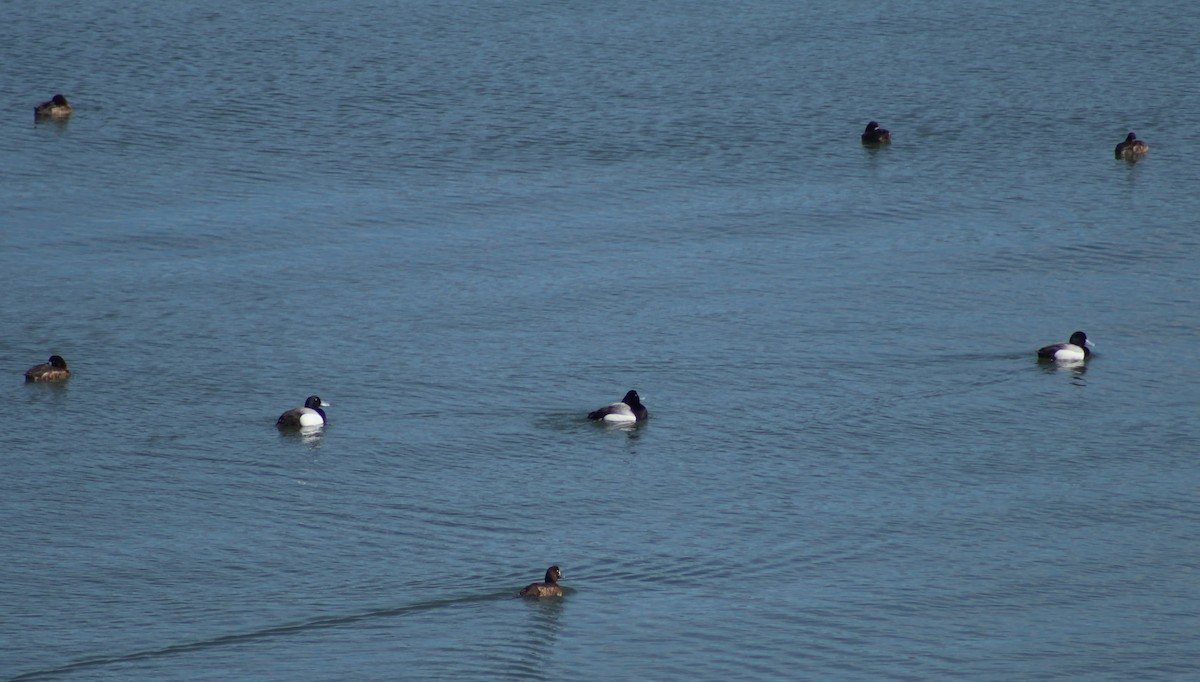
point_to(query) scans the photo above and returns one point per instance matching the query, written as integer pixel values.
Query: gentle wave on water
(467, 225)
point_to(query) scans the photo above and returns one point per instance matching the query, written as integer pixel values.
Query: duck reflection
(308, 435)
(544, 623)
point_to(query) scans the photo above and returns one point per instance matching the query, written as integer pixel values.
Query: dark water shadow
(48, 390)
(873, 150)
(58, 126)
(256, 635)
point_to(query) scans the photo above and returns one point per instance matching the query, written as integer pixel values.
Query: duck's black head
(872, 126)
(632, 399)
(313, 402)
(59, 100)
(1079, 338)
(553, 574)
(58, 362)
(1130, 137)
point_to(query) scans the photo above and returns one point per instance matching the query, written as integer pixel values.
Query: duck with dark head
(55, 107)
(629, 411)
(875, 135)
(55, 369)
(550, 588)
(1076, 349)
(1131, 149)
(311, 415)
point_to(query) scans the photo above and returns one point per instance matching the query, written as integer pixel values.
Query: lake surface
(465, 225)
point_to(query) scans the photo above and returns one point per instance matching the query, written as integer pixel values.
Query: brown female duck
(549, 588)
(53, 370)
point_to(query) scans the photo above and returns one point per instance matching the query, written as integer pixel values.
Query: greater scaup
(53, 370)
(309, 415)
(876, 135)
(1131, 148)
(549, 588)
(56, 107)
(1075, 350)
(629, 410)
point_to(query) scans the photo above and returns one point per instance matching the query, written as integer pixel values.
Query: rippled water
(467, 224)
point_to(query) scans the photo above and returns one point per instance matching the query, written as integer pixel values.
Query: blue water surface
(465, 225)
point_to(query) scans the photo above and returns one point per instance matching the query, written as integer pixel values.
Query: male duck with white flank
(310, 415)
(1075, 350)
(629, 411)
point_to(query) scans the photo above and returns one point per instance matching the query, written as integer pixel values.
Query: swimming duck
(1075, 350)
(56, 107)
(309, 415)
(628, 411)
(53, 370)
(1131, 148)
(876, 135)
(549, 588)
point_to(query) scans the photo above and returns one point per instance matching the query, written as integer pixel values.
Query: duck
(876, 135)
(55, 107)
(1075, 350)
(1131, 148)
(630, 410)
(311, 414)
(55, 369)
(550, 588)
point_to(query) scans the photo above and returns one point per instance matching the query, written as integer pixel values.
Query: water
(467, 224)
